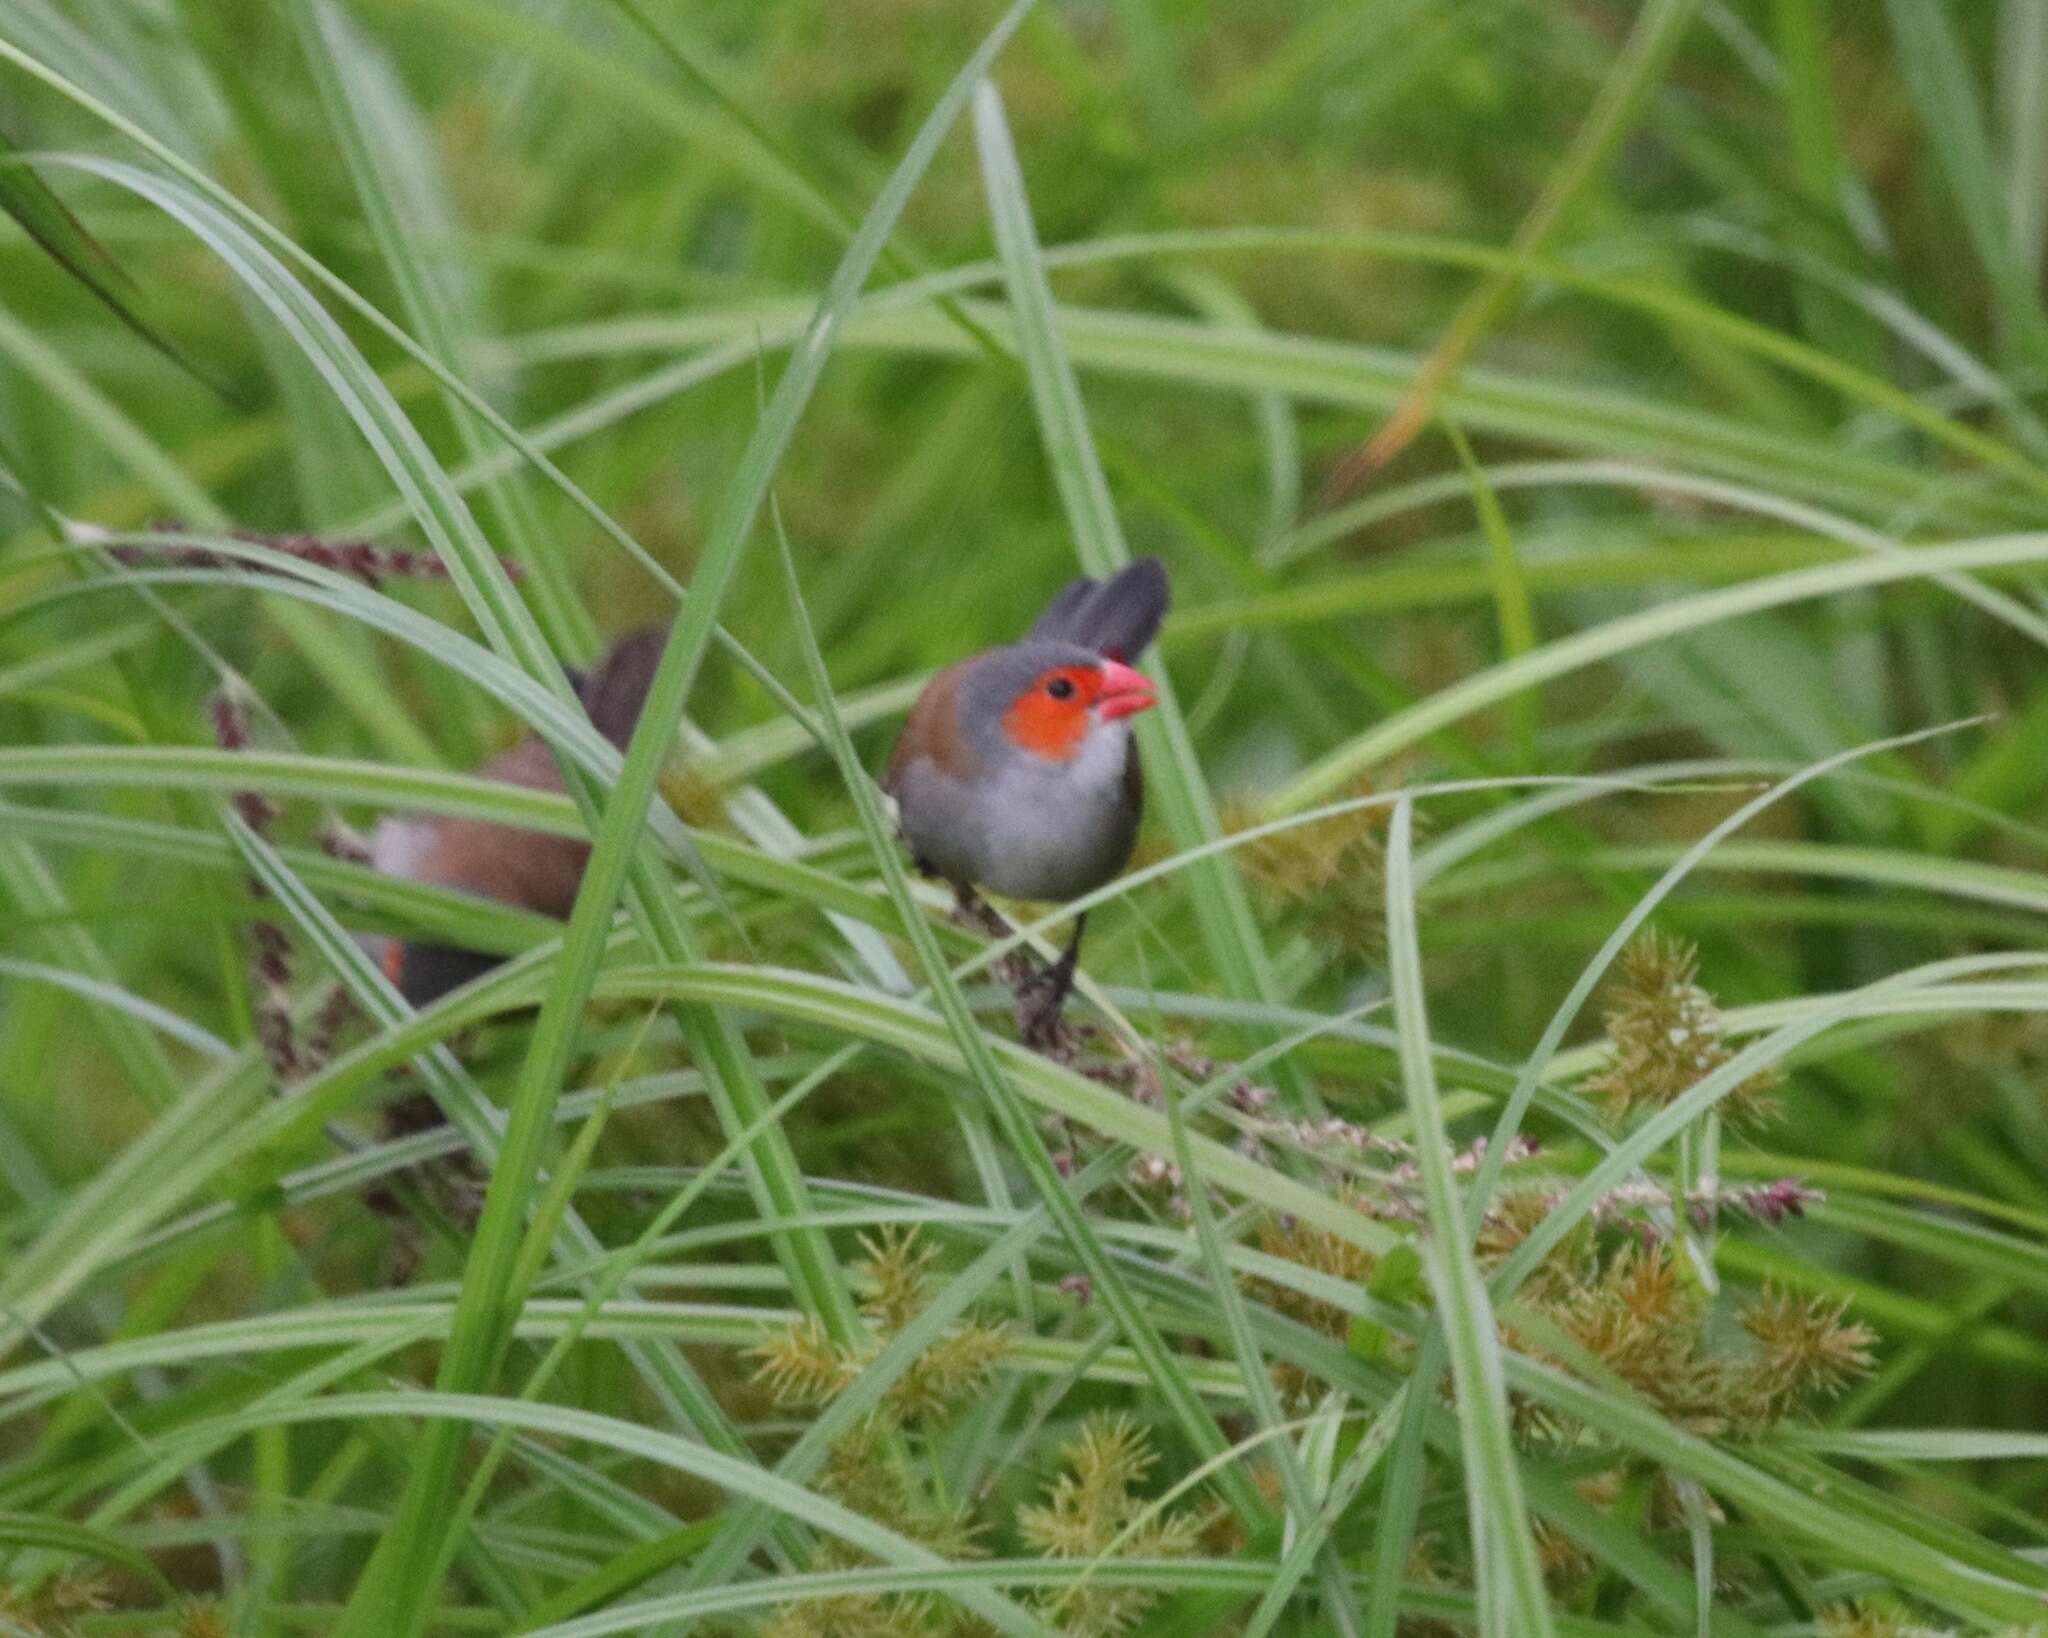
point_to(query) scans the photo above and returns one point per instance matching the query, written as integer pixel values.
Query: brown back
(531, 868)
(528, 868)
(931, 730)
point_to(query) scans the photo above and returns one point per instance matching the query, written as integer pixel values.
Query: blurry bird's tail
(616, 687)
(1116, 617)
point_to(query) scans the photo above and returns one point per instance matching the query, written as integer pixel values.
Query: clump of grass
(874, 1469)
(1329, 875)
(803, 1366)
(1627, 1299)
(1093, 1510)
(1613, 1301)
(1667, 1036)
(1643, 1317)
(1322, 1252)
(1871, 1618)
(58, 1607)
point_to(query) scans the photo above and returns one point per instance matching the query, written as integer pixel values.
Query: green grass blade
(1512, 1599)
(396, 1589)
(45, 218)
(1932, 62)
(1176, 779)
(1651, 43)
(1510, 589)
(1564, 655)
(388, 151)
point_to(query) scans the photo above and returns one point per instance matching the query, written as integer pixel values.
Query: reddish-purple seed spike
(274, 1031)
(338, 843)
(371, 563)
(258, 812)
(328, 1023)
(230, 726)
(272, 971)
(273, 955)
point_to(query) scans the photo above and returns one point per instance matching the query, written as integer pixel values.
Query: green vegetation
(1561, 1145)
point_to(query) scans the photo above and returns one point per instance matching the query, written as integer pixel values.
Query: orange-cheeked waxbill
(1016, 771)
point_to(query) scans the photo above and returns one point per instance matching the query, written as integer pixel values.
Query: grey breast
(1056, 830)
(1027, 829)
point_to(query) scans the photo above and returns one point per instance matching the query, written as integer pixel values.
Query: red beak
(1125, 692)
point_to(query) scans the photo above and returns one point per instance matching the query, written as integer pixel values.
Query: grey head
(992, 684)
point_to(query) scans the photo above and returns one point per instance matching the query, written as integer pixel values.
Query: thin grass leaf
(2023, 101)
(46, 219)
(396, 1588)
(76, 1541)
(145, 1012)
(1604, 642)
(99, 415)
(1651, 44)
(1512, 1599)
(1233, 938)
(387, 148)
(1510, 587)
(1932, 62)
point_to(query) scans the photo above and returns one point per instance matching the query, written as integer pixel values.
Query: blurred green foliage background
(1785, 314)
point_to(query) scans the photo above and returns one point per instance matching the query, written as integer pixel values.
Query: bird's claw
(972, 910)
(1041, 999)
(1040, 990)
(1039, 1025)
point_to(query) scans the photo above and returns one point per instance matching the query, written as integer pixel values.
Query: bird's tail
(614, 689)
(1116, 617)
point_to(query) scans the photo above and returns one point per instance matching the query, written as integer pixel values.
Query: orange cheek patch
(1049, 727)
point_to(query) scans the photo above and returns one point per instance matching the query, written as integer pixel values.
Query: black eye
(1061, 688)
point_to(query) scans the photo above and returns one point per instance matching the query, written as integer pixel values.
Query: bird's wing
(932, 731)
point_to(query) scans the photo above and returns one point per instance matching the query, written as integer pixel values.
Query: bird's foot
(1015, 971)
(970, 909)
(1040, 1026)
(1041, 998)
(1040, 992)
